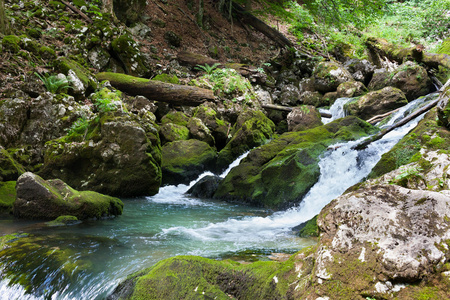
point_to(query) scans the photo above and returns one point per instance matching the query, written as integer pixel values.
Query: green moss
(167, 78)
(310, 229)
(445, 47)
(128, 52)
(63, 220)
(63, 65)
(175, 117)
(7, 195)
(10, 169)
(11, 43)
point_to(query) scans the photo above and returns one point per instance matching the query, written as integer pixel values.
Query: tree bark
(273, 34)
(378, 118)
(4, 24)
(157, 90)
(192, 59)
(416, 53)
(402, 122)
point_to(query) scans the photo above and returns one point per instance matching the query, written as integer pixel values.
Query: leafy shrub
(53, 84)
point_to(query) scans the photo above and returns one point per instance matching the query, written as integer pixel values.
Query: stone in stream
(40, 199)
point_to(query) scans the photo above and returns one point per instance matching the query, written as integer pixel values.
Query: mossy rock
(47, 52)
(329, 75)
(7, 195)
(64, 65)
(252, 129)
(170, 132)
(63, 221)
(190, 277)
(175, 117)
(308, 229)
(427, 134)
(218, 127)
(127, 50)
(9, 168)
(443, 108)
(129, 11)
(117, 153)
(277, 175)
(445, 47)
(183, 161)
(172, 38)
(11, 43)
(40, 199)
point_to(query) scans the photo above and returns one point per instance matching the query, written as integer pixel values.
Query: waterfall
(336, 110)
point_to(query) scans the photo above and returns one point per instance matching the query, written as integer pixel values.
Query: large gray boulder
(329, 75)
(40, 199)
(375, 103)
(303, 117)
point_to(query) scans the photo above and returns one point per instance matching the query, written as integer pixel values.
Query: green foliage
(106, 100)
(207, 68)
(78, 127)
(53, 84)
(425, 21)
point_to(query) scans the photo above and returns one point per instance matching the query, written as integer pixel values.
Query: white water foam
(336, 110)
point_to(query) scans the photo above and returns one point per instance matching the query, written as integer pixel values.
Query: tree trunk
(273, 34)
(186, 58)
(400, 54)
(289, 109)
(4, 24)
(157, 90)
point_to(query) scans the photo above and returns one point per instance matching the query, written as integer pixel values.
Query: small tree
(4, 25)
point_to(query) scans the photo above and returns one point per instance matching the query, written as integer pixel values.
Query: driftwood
(289, 109)
(156, 90)
(379, 118)
(402, 122)
(416, 53)
(76, 10)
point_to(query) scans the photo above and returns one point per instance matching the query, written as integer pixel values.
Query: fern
(207, 68)
(53, 84)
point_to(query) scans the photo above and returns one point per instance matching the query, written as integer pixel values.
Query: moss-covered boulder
(376, 103)
(443, 108)
(351, 89)
(115, 153)
(14, 115)
(427, 134)
(127, 50)
(183, 161)
(329, 75)
(64, 65)
(313, 98)
(9, 168)
(218, 127)
(251, 129)
(170, 132)
(190, 277)
(303, 117)
(411, 78)
(63, 221)
(40, 199)
(277, 175)
(199, 131)
(7, 195)
(289, 95)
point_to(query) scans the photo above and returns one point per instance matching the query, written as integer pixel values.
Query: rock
(376, 103)
(303, 117)
(64, 65)
(7, 196)
(218, 127)
(307, 85)
(426, 136)
(117, 154)
(9, 168)
(64, 221)
(127, 51)
(40, 199)
(170, 132)
(412, 79)
(99, 58)
(260, 179)
(205, 187)
(129, 11)
(329, 75)
(443, 108)
(252, 129)
(183, 161)
(14, 115)
(380, 79)
(199, 131)
(290, 95)
(409, 77)
(313, 99)
(351, 89)
(172, 38)
(361, 70)
(386, 233)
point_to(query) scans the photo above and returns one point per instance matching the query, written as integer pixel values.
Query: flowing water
(171, 223)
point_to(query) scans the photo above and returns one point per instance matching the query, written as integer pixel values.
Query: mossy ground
(7, 195)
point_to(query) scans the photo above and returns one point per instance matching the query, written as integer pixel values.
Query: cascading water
(171, 223)
(336, 110)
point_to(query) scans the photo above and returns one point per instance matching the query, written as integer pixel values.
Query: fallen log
(416, 53)
(186, 58)
(156, 90)
(402, 122)
(289, 109)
